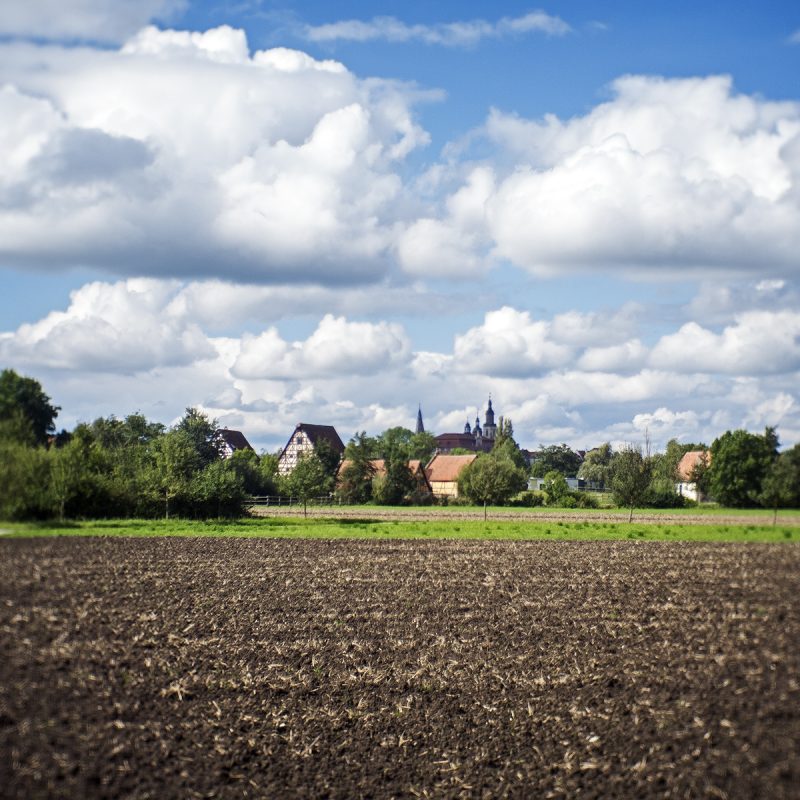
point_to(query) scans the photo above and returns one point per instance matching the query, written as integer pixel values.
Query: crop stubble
(252, 668)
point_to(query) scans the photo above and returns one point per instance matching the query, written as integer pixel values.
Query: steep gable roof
(689, 461)
(444, 468)
(235, 439)
(321, 433)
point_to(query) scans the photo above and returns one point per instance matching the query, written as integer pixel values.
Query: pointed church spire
(420, 426)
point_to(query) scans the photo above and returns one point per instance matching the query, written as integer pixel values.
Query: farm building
(415, 466)
(305, 439)
(443, 471)
(231, 441)
(686, 486)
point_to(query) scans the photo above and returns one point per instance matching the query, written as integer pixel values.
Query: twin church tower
(474, 437)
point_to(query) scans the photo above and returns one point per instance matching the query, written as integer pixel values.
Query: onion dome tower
(489, 428)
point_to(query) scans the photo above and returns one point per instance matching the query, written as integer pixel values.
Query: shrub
(527, 499)
(585, 500)
(661, 494)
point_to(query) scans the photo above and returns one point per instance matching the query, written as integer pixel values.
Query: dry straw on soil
(263, 668)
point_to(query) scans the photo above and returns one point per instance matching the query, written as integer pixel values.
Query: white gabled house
(686, 486)
(304, 439)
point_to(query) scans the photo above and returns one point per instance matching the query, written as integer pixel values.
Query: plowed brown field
(271, 668)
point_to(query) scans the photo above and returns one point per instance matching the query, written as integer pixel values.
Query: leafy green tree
(355, 479)
(596, 467)
(16, 427)
(505, 446)
(558, 457)
(781, 485)
(268, 467)
(202, 433)
(66, 474)
(397, 483)
(491, 480)
(556, 488)
(422, 447)
(246, 464)
(175, 461)
(630, 478)
(138, 430)
(505, 429)
(369, 445)
(217, 490)
(307, 480)
(111, 432)
(740, 461)
(24, 478)
(329, 457)
(395, 440)
(24, 398)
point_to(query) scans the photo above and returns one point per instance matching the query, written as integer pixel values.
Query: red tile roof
(689, 461)
(445, 468)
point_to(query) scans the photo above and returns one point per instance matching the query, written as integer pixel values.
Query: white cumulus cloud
(126, 327)
(665, 177)
(337, 347)
(184, 154)
(758, 343)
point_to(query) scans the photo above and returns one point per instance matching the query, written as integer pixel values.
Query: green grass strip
(332, 528)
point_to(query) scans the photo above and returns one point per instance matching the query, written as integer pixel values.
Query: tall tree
(781, 485)
(505, 446)
(397, 483)
(202, 432)
(395, 440)
(422, 446)
(175, 462)
(558, 457)
(739, 463)
(23, 399)
(630, 478)
(596, 467)
(355, 479)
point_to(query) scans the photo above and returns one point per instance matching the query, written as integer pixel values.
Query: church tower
(420, 426)
(489, 428)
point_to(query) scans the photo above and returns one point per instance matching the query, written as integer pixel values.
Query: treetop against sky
(289, 211)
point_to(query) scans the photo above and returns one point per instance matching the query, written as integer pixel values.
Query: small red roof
(689, 461)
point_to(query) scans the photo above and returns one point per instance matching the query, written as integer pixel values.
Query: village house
(415, 467)
(443, 471)
(231, 441)
(305, 439)
(686, 486)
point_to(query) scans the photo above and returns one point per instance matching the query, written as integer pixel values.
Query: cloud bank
(577, 377)
(84, 20)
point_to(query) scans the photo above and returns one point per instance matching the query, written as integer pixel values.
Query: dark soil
(158, 668)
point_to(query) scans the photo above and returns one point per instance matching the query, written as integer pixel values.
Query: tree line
(133, 467)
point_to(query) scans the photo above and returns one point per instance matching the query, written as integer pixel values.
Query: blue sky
(299, 211)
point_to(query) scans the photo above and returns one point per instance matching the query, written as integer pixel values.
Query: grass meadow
(744, 528)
